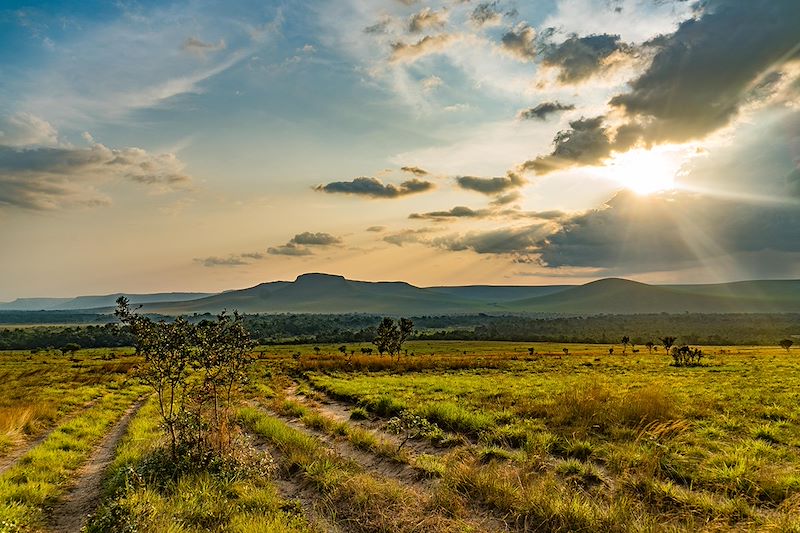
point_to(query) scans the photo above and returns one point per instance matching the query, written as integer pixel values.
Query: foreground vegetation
(444, 436)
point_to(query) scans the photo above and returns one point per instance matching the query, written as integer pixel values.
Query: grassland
(453, 436)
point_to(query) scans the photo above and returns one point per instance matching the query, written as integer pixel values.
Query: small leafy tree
(409, 426)
(650, 345)
(166, 348)
(667, 343)
(385, 335)
(786, 344)
(195, 371)
(390, 335)
(316, 350)
(625, 342)
(71, 348)
(686, 356)
(343, 349)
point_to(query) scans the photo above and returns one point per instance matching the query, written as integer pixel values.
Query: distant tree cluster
(390, 335)
(695, 329)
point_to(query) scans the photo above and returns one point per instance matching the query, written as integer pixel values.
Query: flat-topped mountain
(326, 293)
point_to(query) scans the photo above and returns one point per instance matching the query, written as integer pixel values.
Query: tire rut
(69, 514)
(8, 461)
(291, 489)
(340, 411)
(403, 473)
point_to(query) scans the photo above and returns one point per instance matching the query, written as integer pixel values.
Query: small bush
(359, 413)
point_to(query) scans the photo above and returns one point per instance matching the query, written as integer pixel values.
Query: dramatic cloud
(289, 249)
(587, 142)
(231, 260)
(669, 231)
(415, 170)
(579, 58)
(544, 110)
(427, 19)
(486, 14)
(505, 199)
(221, 261)
(520, 42)
(375, 188)
(491, 186)
(454, 213)
(519, 241)
(430, 44)
(196, 47)
(407, 236)
(702, 74)
(301, 244)
(24, 129)
(315, 239)
(43, 177)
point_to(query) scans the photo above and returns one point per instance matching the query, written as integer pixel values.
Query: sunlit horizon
(166, 146)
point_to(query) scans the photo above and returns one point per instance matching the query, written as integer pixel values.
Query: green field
(453, 436)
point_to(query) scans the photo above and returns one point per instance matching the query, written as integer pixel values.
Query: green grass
(42, 474)
(720, 442)
(141, 496)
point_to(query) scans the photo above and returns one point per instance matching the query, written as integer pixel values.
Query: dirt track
(70, 513)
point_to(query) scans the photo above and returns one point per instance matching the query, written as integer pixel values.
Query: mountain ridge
(317, 292)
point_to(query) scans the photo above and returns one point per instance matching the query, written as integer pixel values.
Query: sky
(153, 146)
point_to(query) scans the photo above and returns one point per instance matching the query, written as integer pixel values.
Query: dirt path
(340, 411)
(16, 453)
(290, 489)
(70, 513)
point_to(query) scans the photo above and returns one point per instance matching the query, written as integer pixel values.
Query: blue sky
(208, 145)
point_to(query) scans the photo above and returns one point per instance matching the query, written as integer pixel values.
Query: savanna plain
(445, 436)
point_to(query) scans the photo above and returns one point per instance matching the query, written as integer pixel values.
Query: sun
(644, 171)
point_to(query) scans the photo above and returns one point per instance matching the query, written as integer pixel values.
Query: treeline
(42, 337)
(699, 329)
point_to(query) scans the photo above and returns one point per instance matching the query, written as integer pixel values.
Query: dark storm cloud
(374, 188)
(491, 186)
(579, 58)
(520, 42)
(544, 110)
(669, 231)
(587, 142)
(701, 74)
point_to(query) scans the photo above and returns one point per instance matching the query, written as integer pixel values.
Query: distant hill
(326, 293)
(93, 302)
(621, 296)
(499, 293)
